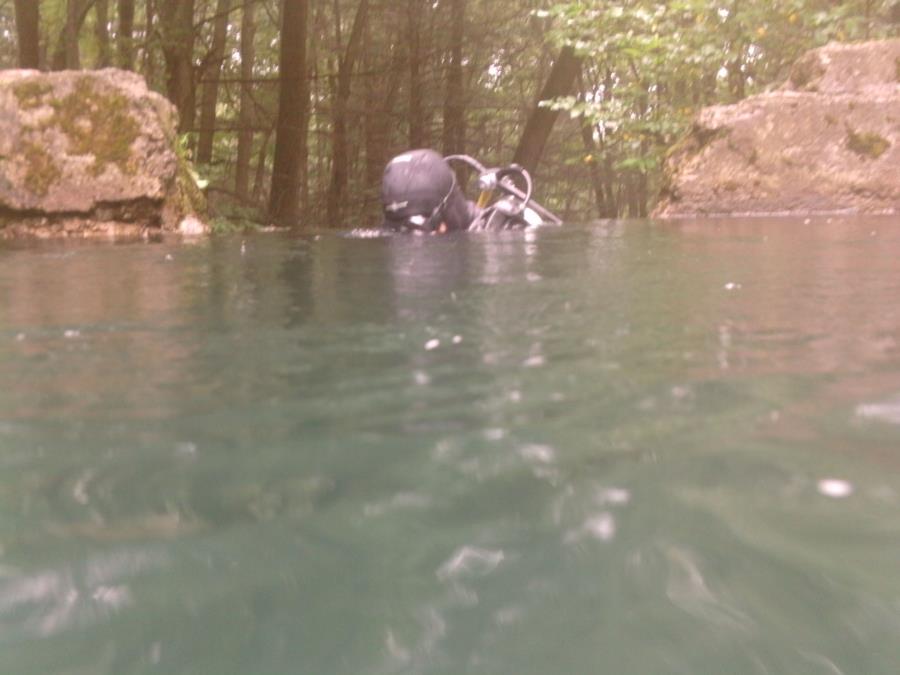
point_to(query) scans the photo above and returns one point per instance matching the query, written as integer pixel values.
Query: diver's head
(419, 193)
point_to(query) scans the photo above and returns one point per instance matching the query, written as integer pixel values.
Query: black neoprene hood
(419, 191)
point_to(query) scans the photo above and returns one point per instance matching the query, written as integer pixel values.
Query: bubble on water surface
(835, 488)
(421, 378)
(434, 343)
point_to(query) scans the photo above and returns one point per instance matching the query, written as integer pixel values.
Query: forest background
(291, 108)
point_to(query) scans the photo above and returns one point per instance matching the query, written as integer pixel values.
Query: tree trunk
(177, 19)
(125, 37)
(211, 85)
(28, 30)
(246, 115)
(560, 82)
(339, 169)
(73, 27)
(454, 107)
(413, 41)
(66, 56)
(293, 100)
(380, 94)
(101, 32)
(261, 167)
(150, 36)
(590, 147)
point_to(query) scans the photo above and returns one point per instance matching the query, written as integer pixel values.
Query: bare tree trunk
(293, 102)
(560, 82)
(454, 107)
(211, 85)
(261, 167)
(339, 169)
(316, 36)
(125, 36)
(149, 60)
(101, 32)
(66, 55)
(414, 45)
(587, 138)
(73, 27)
(245, 131)
(28, 31)
(177, 17)
(380, 95)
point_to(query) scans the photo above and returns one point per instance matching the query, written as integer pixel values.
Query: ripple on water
(50, 602)
(886, 411)
(399, 501)
(470, 561)
(600, 526)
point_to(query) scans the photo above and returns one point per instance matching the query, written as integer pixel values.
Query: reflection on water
(636, 447)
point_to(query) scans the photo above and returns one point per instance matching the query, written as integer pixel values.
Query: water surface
(625, 447)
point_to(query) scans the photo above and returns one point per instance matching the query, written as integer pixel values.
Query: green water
(622, 448)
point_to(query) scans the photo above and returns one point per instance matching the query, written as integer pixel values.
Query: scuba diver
(421, 194)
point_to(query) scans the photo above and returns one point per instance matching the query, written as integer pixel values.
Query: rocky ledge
(91, 153)
(827, 141)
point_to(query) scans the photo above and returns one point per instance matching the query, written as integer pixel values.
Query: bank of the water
(635, 447)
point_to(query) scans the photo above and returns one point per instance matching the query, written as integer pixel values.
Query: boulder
(90, 151)
(827, 141)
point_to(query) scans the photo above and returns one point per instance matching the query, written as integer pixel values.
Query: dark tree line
(292, 107)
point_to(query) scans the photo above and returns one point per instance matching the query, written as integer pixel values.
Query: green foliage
(231, 219)
(650, 65)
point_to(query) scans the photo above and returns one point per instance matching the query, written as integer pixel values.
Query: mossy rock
(97, 121)
(868, 145)
(95, 146)
(30, 93)
(42, 171)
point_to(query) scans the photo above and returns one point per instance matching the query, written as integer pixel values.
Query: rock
(827, 141)
(86, 152)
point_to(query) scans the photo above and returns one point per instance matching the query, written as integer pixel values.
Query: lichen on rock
(93, 147)
(867, 144)
(42, 171)
(97, 121)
